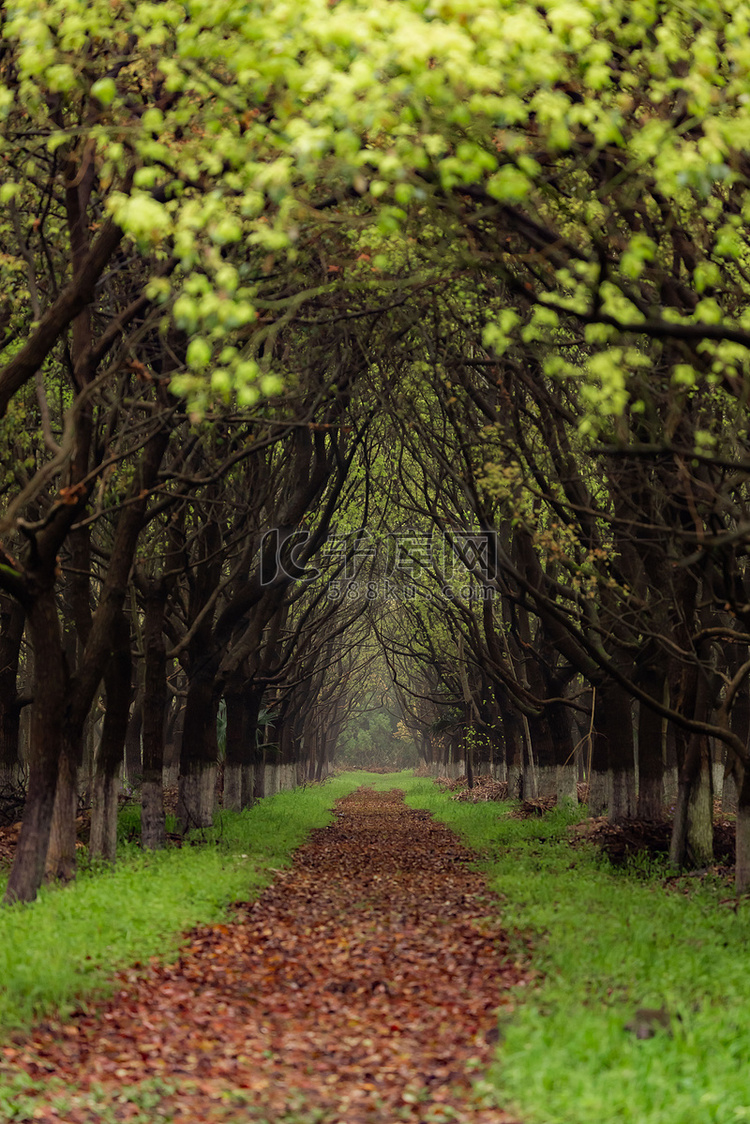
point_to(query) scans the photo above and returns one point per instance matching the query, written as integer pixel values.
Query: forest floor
(647, 840)
(363, 985)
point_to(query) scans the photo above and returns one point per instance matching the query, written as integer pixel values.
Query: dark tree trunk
(700, 830)
(153, 829)
(133, 761)
(544, 755)
(513, 738)
(235, 751)
(12, 618)
(469, 753)
(598, 755)
(199, 756)
(259, 779)
(688, 770)
(742, 868)
(651, 750)
(700, 835)
(61, 853)
(692, 828)
(50, 694)
(612, 782)
(621, 773)
(733, 771)
(109, 753)
(243, 708)
(95, 657)
(558, 720)
(173, 744)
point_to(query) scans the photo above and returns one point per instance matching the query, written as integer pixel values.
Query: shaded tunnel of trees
(311, 414)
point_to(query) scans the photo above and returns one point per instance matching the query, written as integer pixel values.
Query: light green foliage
(65, 946)
(216, 129)
(608, 942)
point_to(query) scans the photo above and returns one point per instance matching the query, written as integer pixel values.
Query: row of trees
(275, 283)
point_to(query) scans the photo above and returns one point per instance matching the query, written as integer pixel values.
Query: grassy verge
(63, 947)
(608, 942)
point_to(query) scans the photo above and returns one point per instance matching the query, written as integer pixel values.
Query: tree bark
(259, 778)
(153, 827)
(235, 755)
(742, 867)
(599, 755)
(61, 861)
(12, 619)
(692, 834)
(700, 826)
(612, 782)
(133, 760)
(513, 738)
(95, 656)
(199, 755)
(109, 753)
(651, 751)
(243, 708)
(50, 693)
(558, 720)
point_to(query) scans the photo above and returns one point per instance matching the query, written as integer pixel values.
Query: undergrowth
(609, 941)
(63, 947)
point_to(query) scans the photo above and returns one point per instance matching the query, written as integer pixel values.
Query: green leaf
(104, 90)
(198, 354)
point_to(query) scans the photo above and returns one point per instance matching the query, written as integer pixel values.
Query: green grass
(605, 941)
(62, 948)
(608, 942)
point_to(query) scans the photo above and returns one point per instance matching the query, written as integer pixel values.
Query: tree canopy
(278, 277)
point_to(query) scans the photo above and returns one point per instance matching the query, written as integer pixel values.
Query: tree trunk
(558, 720)
(621, 772)
(259, 777)
(243, 709)
(599, 755)
(133, 763)
(272, 773)
(248, 785)
(692, 835)
(50, 692)
(651, 751)
(513, 738)
(199, 756)
(61, 854)
(235, 755)
(742, 868)
(469, 751)
(12, 619)
(544, 756)
(153, 830)
(173, 743)
(700, 827)
(109, 754)
(612, 782)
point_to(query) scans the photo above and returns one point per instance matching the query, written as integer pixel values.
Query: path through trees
(362, 986)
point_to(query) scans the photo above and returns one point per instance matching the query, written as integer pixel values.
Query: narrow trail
(362, 986)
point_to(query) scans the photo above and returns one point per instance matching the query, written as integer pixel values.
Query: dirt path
(362, 986)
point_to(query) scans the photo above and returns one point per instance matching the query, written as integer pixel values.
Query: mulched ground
(621, 841)
(618, 841)
(363, 986)
(485, 788)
